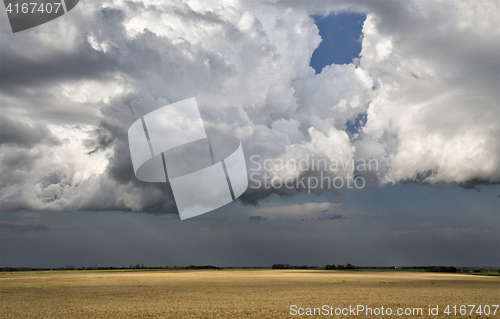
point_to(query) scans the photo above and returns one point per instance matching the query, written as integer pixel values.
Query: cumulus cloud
(431, 101)
(296, 211)
(20, 134)
(435, 115)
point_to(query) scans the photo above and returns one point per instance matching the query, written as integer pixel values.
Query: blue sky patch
(353, 126)
(341, 34)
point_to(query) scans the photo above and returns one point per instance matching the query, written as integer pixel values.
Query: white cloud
(436, 112)
(427, 78)
(295, 211)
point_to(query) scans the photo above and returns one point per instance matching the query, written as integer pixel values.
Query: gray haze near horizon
(402, 225)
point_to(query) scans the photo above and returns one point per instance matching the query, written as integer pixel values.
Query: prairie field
(237, 293)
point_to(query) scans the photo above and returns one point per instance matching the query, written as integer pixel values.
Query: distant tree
(281, 266)
(450, 269)
(349, 266)
(201, 267)
(330, 267)
(340, 266)
(304, 267)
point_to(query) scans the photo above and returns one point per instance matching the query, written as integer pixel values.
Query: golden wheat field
(238, 293)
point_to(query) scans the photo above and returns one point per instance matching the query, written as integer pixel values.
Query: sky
(341, 36)
(411, 86)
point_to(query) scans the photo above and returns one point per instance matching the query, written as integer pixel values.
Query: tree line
(348, 266)
(327, 267)
(340, 267)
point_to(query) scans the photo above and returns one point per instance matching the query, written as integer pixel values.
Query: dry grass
(230, 293)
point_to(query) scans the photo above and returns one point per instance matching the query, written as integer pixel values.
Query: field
(236, 293)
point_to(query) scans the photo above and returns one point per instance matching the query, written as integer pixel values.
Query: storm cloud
(430, 97)
(17, 133)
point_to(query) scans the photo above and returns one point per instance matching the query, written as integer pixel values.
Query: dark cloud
(17, 164)
(17, 133)
(252, 196)
(474, 183)
(18, 72)
(331, 217)
(248, 84)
